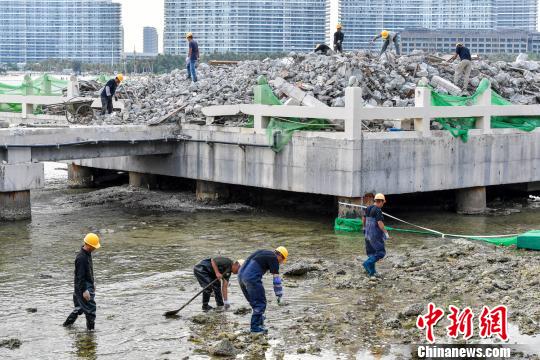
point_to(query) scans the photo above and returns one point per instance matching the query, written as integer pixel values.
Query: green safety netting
(102, 79)
(44, 85)
(459, 127)
(280, 130)
(355, 225)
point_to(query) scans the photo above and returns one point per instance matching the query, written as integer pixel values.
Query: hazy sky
(136, 14)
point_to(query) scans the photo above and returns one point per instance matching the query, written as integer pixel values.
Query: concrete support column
(211, 191)
(80, 176)
(15, 205)
(148, 181)
(471, 201)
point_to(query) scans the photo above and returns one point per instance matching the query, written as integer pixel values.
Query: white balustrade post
(353, 106)
(484, 122)
(422, 98)
(28, 90)
(260, 122)
(73, 87)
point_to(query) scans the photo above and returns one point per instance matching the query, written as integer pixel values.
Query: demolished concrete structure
(323, 78)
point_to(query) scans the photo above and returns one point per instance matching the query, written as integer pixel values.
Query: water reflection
(85, 345)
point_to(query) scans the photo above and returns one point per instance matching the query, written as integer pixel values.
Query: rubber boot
(90, 324)
(70, 319)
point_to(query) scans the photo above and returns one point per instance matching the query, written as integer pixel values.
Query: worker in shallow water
(250, 279)
(84, 288)
(207, 271)
(375, 234)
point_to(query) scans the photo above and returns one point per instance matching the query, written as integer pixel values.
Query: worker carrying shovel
(388, 38)
(210, 270)
(250, 279)
(84, 288)
(375, 234)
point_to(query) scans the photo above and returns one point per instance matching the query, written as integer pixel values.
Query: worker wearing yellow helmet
(108, 92)
(338, 39)
(388, 38)
(84, 288)
(250, 279)
(375, 234)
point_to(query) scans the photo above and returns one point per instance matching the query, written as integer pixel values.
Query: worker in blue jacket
(250, 279)
(375, 234)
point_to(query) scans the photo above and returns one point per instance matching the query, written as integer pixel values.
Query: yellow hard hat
(92, 240)
(189, 34)
(338, 26)
(283, 251)
(120, 77)
(459, 44)
(384, 34)
(380, 196)
(240, 262)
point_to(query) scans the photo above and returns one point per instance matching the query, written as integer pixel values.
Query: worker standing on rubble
(84, 288)
(108, 92)
(211, 269)
(193, 56)
(338, 39)
(388, 38)
(375, 234)
(464, 67)
(250, 279)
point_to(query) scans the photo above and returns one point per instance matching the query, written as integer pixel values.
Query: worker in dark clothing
(322, 49)
(193, 56)
(338, 39)
(108, 92)
(250, 279)
(375, 234)
(209, 270)
(465, 65)
(84, 288)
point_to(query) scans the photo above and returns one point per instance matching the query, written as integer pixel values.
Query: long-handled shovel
(174, 312)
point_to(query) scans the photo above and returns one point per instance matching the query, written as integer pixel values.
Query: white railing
(353, 113)
(29, 100)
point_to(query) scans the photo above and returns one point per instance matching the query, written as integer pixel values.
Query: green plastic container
(529, 240)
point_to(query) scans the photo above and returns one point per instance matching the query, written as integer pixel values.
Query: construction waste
(385, 82)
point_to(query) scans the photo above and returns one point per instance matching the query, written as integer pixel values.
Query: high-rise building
(517, 14)
(244, 26)
(85, 30)
(150, 40)
(362, 19)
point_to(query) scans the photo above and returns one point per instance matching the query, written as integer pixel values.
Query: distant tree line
(156, 65)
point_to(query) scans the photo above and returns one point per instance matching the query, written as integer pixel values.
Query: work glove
(278, 288)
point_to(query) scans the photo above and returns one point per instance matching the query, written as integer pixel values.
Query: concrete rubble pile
(324, 78)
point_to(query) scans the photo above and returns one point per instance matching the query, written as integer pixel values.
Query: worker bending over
(209, 270)
(84, 288)
(464, 67)
(108, 92)
(338, 39)
(322, 49)
(250, 279)
(389, 37)
(375, 234)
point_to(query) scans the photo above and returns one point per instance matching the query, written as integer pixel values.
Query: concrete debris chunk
(314, 80)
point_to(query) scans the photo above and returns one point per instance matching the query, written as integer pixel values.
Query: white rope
(434, 231)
